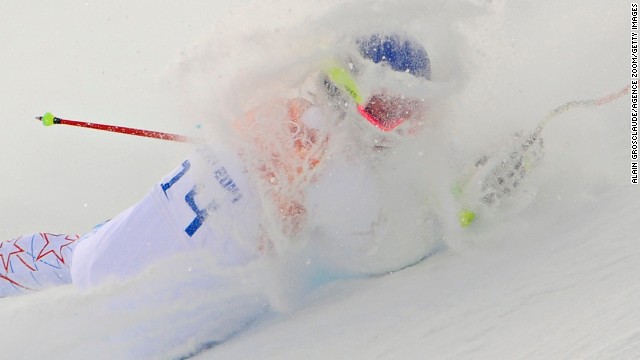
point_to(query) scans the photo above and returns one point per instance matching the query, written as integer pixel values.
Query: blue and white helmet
(398, 52)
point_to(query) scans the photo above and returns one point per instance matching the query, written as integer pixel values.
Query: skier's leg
(35, 261)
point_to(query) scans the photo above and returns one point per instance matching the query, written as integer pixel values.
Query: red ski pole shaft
(48, 119)
(125, 130)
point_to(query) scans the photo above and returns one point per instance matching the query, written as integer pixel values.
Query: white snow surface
(552, 275)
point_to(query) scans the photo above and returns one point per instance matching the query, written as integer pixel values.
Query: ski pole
(529, 146)
(48, 119)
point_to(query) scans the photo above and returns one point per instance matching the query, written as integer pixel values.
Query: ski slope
(565, 291)
(551, 275)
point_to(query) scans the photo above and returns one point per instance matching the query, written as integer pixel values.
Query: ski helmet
(398, 52)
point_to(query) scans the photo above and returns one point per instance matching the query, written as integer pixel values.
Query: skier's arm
(283, 144)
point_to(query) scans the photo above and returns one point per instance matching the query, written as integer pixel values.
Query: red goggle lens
(387, 112)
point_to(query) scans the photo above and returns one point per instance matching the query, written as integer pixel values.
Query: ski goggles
(383, 109)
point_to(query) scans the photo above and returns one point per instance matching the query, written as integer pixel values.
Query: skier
(307, 175)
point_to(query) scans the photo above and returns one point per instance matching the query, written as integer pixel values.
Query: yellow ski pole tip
(47, 119)
(466, 217)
